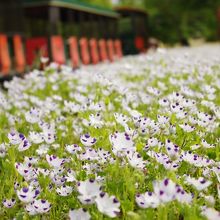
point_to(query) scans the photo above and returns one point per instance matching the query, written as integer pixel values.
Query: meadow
(135, 139)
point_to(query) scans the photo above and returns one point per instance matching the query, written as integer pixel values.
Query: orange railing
(26, 51)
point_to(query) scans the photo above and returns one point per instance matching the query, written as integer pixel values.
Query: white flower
(107, 205)
(30, 209)
(147, 200)
(131, 132)
(192, 120)
(144, 123)
(164, 102)
(165, 160)
(3, 150)
(210, 213)
(31, 160)
(104, 156)
(195, 147)
(196, 160)
(55, 161)
(57, 179)
(27, 195)
(135, 113)
(207, 145)
(152, 142)
(165, 190)
(33, 116)
(177, 108)
(121, 119)
(153, 91)
(49, 132)
(9, 203)
(209, 198)
(43, 149)
(96, 106)
(121, 142)
(71, 106)
(26, 170)
(91, 168)
(199, 184)
(88, 190)
(186, 127)
(182, 196)
(35, 137)
(41, 206)
(79, 214)
(71, 176)
(172, 149)
(135, 160)
(49, 137)
(87, 140)
(64, 190)
(172, 129)
(216, 170)
(24, 145)
(95, 120)
(45, 172)
(89, 154)
(162, 119)
(181, 115)
(44, 60)
(15, 138)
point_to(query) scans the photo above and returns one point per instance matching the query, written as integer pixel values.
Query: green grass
(123, 181)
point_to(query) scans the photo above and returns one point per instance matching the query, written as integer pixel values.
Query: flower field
(137, 139)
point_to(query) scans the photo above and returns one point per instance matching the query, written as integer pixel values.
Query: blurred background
(173, 21)
(100, 30)
(169, 21)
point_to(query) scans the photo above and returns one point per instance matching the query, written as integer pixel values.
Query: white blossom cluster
(113, 139)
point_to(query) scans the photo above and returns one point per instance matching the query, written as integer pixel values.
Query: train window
(36, 27)
(1, 24)
(140, 24)
(125, 25)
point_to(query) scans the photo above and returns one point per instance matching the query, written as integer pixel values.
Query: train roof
(73, 4)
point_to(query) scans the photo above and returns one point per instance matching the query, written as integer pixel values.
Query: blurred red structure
(5, 61)
(57, 49)
(84, 49)
(74, 52)
(36, 47)
(103, 50)
(94, 51)
(118, 48)
(19, 54)
(111, 52)
(36, 29)
(140, 43)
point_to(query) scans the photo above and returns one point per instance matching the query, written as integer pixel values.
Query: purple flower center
(87, 135)
(166, 181)
(25, 189)
(102, 194)
(161, 192)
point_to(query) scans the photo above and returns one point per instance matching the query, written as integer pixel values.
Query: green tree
(172, 20)
(175, 20)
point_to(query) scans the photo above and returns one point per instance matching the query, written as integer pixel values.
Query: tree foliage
(175, 20)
